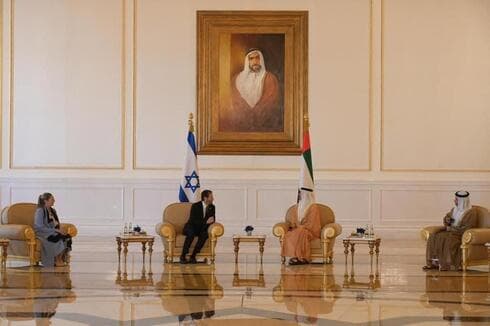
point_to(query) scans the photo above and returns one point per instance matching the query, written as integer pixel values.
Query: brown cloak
(446, 245)
(265, 116)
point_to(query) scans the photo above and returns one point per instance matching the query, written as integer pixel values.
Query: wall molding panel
(58, 9)
(432, 94)
(100, 207)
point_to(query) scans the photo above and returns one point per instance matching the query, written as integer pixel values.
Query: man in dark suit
(201, 217)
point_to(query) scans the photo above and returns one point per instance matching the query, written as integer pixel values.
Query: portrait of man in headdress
(256, 92)
(252, 82)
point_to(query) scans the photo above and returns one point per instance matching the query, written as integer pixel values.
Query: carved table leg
(352, 250)
(261, 249)
(150, 252)
(143, 248)
(371, 253)
(346, 252)
(125, 252)
(119, 250)
(236, 243)
(378, 243)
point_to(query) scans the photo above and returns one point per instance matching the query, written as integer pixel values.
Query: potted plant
(249, 230)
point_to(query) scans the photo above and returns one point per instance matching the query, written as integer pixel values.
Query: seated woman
(296, 243)
(54, 243)
(443, 248)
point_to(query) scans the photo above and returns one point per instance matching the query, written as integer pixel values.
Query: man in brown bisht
(443, 248)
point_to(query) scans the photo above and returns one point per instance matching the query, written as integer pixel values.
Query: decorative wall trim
(382, 152)
(11, 103)
(349, 211)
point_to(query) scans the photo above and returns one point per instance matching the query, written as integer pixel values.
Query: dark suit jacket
(197, 219)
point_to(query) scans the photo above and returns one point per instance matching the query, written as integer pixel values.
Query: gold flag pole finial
(191, 122)
(306, 121)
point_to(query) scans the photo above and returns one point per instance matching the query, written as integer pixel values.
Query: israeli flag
(190, 188)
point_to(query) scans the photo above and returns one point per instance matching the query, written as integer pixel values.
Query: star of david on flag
(193, 185)
(190, 187)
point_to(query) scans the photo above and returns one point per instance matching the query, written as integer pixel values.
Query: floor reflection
(249, 283)
(134, 284)
(463, 298)
(34, 294)
(189, 291)
(247, 293)
(307, 291)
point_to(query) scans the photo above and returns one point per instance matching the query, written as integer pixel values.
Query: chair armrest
(280, 229)
(69, 229)
(216, 230)
(331, 230)
(476, 236)
(166, 230)
(428, 230)
(216, 293)
(17, 232)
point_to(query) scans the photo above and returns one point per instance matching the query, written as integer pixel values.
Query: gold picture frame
(252, 82)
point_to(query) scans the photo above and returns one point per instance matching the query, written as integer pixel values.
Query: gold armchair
(17, 225)
(473, 241)
(170, 230)
(320, 248)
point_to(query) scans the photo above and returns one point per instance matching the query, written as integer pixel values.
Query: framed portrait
(252, 73)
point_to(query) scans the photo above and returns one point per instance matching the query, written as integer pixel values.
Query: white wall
(96, 94)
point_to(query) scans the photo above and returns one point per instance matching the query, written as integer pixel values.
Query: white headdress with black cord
(462, 206)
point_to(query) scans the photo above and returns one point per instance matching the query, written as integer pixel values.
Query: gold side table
(260, 239)
(126, 239)
(373, 242)
(4, 243)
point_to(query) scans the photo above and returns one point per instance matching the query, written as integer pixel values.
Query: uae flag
(306, 191)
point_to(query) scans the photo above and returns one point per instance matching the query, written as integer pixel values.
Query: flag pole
(190, 186)
(191, 122)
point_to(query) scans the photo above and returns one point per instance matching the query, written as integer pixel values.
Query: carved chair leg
(170, 258)
(213, 251)
(325, 244)
(465, 258)
(32, 253)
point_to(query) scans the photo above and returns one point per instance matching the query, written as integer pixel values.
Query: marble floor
(92, 292)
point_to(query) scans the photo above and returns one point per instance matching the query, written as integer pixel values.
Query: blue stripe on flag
(192, 141)
(182, 196)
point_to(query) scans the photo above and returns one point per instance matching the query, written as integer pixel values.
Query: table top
(244, 237)
(4, 241)
(361, 239)
(133, 237)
